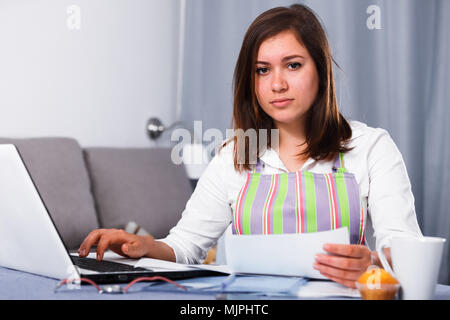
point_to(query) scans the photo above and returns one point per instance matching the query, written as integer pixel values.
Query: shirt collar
(270, 157)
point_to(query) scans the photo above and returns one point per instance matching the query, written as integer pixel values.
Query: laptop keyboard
(103, 266)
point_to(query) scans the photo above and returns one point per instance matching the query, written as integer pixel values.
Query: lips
(282, 102)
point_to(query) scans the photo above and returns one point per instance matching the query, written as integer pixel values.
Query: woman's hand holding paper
(344, 263)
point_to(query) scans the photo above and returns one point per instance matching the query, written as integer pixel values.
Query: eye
(294, 65)
(262, 71)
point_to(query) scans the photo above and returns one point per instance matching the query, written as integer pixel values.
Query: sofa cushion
(59, 172)
(140, 185)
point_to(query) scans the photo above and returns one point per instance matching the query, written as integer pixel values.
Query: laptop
(32, 243)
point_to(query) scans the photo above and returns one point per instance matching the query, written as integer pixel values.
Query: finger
(133, 249)
(102, 245)
(91, 239)
(341, 262)
(117, 248)
(113, 239)
(345, 282)
(347, 250)
(338, 273)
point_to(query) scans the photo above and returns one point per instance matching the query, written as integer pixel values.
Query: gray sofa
(90, 188)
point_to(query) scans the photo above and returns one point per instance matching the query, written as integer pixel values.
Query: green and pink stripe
(299, 202)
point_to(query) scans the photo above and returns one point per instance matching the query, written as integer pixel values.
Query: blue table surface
(17, 285)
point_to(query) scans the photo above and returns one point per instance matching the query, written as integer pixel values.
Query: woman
(323, 172)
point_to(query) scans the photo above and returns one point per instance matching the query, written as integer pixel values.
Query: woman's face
(286, 80)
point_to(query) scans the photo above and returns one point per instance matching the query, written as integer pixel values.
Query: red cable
(152, 279)
(66, 281)
(92, 282)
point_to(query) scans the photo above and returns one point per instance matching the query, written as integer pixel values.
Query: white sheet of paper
(111, 256)
(280, 254)
(161, 265)
(213, 267)
(156, 264)
(324, 289)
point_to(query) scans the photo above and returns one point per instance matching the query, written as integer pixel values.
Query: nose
(279, 83)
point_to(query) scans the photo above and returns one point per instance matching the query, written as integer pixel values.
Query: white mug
(416, 263)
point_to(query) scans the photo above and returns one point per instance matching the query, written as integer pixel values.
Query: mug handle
(384, 261)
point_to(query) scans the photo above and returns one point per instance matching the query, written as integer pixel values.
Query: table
(17, 285)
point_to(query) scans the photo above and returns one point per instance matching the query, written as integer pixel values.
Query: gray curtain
(436, 148)
(395, 76)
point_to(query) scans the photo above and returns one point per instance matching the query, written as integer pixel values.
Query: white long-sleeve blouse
(375, 161)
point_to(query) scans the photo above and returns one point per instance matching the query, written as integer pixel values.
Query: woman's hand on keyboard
(121, 242)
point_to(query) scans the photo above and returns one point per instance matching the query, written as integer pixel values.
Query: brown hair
(327, 131)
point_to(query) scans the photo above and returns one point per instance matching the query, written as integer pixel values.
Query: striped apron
(300, 202)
